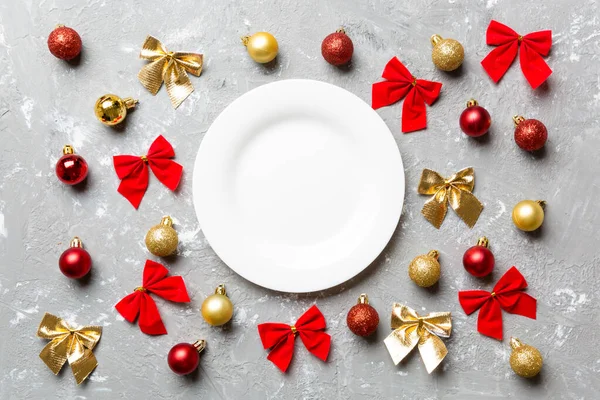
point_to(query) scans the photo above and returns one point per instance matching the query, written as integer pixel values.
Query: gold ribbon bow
(67, 344)
(170, 67)
(455, 190)
(411, 329)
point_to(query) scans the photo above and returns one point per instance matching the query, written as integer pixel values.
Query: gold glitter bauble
(528, 215)
(161, 239)
(110, 109)
(447, 54)
(217, 309)
(425, 269)
(525, 360)
(262, 46)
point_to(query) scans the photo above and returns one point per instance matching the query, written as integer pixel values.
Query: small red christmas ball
(75, 262)
(184, 358)
(530, 134)
(71, 168)
(337, 48)
(475, 121)
(479, 260)
(362, 319)
(64, 43)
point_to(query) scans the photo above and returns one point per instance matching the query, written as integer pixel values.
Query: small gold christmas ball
(525, 360)
(111, 110)
(447, 54)
(161, 239)
(217, 309)
(528, 215)
(425, 269)
(262, 47)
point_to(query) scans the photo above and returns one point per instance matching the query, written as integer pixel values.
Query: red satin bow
(140, 303)
(133, 170)
(400, 83)
(507, 295)
(533, 47)
(280, 337)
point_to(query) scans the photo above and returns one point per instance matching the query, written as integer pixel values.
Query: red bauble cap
(64, 43)
(475, 120)
(530, 134)
(362, 319)
(184, 358)
(337, 48)
(479, 260)
(71, 168)
(75, 262)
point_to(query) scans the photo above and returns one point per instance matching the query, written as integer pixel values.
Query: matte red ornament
(184, 358)
(479, 260)
(475, 120)
(530, 134)
(64, 43)
(362, 319)
(337, 48)
(75, 262)
(71, 168)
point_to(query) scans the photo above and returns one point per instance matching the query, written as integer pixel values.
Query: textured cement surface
(46, 103)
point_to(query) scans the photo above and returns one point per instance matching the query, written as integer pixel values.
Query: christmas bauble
(71, 168)
(362, 319)
(525, 360)
(337, 48)
(262, 47)
(162, 239)
(475, 121)
(447, 54)
(425, 269)
(217, 309)
(530, 134)
(528, 215)
(75, 262)
(479, 260)
(184, 358)
(64, 43)
(111, 110)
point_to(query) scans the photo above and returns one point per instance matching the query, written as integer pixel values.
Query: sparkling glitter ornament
(425, 269)
(447, 54)
(362, 319)
(479, 260)
(75, 262)
(475, 120)
(64, 43)
(217, 309)
(111, 110)
(528, 215)
(337, 48)
(525, 360)
(184, 358)
(530, 134)
(162, 239)
(71, 168)
(262, 47)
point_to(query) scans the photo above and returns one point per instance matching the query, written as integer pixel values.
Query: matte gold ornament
(525, 360)
(447, 54)
(217, 309)
(162, 239)
(424, 270)
(111, 110)
(262, 47)
(528, 215)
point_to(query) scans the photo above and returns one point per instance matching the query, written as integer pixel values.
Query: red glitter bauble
(75, 262)
(64, 43)
(478, 261)
(337, 48)
(183, 358)
(71, 169)
(475, 120)
(530, 134)
(362, 318)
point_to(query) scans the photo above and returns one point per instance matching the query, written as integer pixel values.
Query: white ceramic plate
(298, 185)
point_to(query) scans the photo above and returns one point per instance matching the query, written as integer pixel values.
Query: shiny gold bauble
(217, 309)
(425, 269)
(525, 360)
(528, 215)
(262, 47)
(110, 109)
(161, 239)
(447, 54)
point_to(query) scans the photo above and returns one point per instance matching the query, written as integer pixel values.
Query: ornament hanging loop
(363, 299)
(434, 253)
(518, 119)
(435, 39)
(515, 343)
(245, 40)
(168, 221)
(76, 242)
(221, 290)
(200, 345)
(472, 103)
(68, 149)
(483, 241)
(542, 203)
(341, 30)
(130, 102)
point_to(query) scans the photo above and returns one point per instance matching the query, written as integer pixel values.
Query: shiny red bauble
(75, 262)
(337, 48)
(530, 134)
(362, 319)
(71, 168)
(479, 260)
(184, 358)
(475, 121)
(64, 43)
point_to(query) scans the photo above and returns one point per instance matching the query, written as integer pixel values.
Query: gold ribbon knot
(455, 190)
(411, 330)
(169, 67)
(68, 344)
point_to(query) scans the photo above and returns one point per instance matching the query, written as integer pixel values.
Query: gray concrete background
(46, 103)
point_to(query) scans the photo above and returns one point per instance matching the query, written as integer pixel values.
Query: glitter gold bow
(412, 329)
(170, 67)
(68, 344)
(455, 190)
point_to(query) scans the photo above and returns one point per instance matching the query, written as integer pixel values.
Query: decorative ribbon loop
(68, 344)
(170, 68)
(133, 170)
(455, 190)
(411, 330)
(139, 303)
(507, 295)
(400, 83)
(280, 338)
(533, 47)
